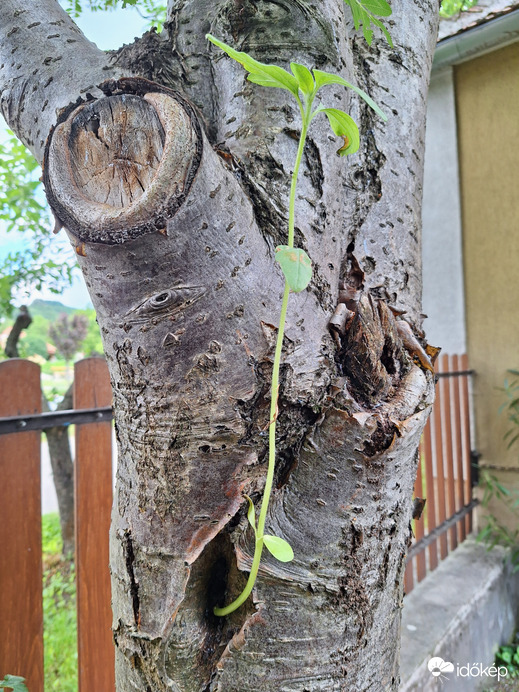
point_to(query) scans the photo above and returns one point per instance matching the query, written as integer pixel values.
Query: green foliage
(154, 12)
(59, 612)
(366, 12)
(450, 7)
(35, 338)
(494, 532)
(13, 682)
(51, 534)
(92, 344)
(294, 262)
(507, 656)
(59, 632)
(511, 406)
(23, 210)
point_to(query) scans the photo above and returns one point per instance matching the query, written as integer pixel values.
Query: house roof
(485, 11)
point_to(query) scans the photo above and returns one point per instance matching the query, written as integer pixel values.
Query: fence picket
(21, 648)
(93, 490)
(430, 507)
(458, 430)
(418, 524)
(445, 383)
(464, 384)
(438, 456)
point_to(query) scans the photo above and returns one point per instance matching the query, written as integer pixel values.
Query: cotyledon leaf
(296, 266)
(279, 548)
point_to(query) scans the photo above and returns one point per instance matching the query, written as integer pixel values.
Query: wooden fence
(445, 473)
(444, 478)
(21, 641)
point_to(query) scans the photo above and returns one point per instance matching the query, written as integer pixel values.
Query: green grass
(59, 611)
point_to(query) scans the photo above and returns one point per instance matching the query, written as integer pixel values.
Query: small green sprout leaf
(303, 76)
(296, 266)
(264, 75)
(279, 548)
(322, 78)
(344, 126)
(13, 682)
(251, 514)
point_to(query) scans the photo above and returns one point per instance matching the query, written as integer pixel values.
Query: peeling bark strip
(120, 166)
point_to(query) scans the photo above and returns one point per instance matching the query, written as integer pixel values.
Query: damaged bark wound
(120, 166)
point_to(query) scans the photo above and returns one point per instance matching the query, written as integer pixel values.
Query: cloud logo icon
(438, 666)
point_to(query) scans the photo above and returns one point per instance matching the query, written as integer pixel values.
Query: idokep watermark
(443, 670)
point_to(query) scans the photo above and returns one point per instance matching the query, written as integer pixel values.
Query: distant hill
(49, 309)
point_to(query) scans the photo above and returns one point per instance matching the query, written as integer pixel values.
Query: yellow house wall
(487, 100)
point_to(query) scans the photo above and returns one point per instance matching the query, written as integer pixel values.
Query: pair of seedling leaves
(295, 264)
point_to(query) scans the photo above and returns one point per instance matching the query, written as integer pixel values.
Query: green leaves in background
(13, 682)
(450, 7)
(279, 548)
(23, 211)
(365, 13)
(154, 12)
(296, 266)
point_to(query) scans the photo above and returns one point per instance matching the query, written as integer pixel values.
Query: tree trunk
(22, 321)
(62, 472)
(174, 193)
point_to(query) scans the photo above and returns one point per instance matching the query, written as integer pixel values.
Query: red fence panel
(93, 493)
(445, 465)
(21, 612)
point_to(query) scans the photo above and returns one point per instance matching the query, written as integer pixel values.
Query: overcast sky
(108, 30)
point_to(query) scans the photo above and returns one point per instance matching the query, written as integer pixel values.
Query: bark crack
(134, 584)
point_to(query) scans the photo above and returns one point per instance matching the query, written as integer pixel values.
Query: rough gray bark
(62, 472)
(177, 252)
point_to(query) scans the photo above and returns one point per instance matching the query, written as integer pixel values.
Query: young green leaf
(296, 266)
(13, 682)
(264, 75)
(251, 514)
(322, 78)
(303, 76)
(343, 126)
(279, 548)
